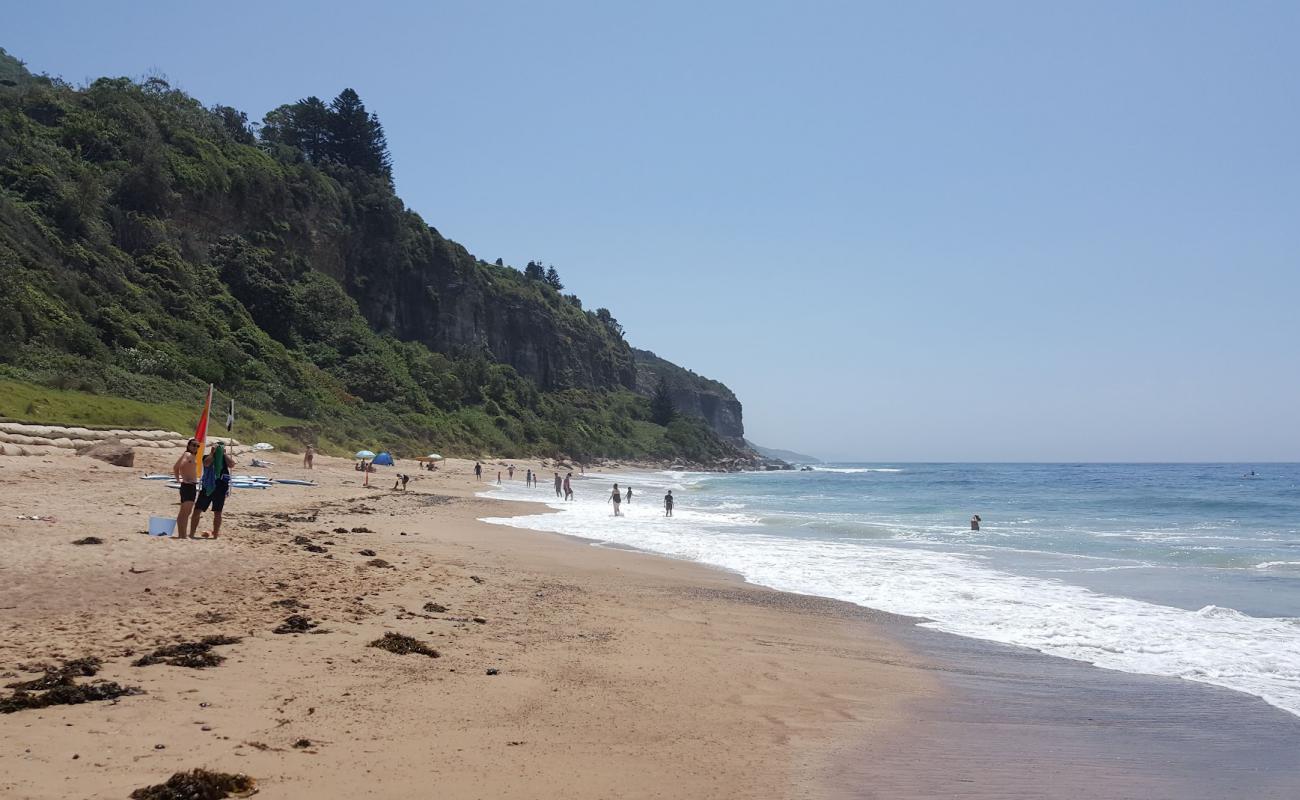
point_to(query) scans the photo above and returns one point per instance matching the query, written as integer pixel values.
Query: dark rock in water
(89, 540)
(493, 671)
(294, 623)
(66, 695)
(195, 655)
(365, 552)
(315, 548)
(402, 645)
(198, 784)
(361, 530)
(380, 563)
(300, 539)
(111, 451)
(435, 608)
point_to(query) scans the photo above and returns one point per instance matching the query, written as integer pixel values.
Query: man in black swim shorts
(220, 462)
(184, 471)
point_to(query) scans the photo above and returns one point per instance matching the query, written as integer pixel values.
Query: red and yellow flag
(201, 434)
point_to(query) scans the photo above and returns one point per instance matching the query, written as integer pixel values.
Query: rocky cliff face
(692, 394)
(417, 285)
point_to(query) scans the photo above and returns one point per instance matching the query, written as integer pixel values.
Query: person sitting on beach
(184, 472)
(307, 456)
(975, 522)
(668, 503)
(215, 487)
(568, 487)
(616, 499)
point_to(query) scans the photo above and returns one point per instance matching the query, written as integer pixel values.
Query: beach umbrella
(365, 454)
(435, 457)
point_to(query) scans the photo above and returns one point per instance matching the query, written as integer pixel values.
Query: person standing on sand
(307, 456)
(568, 488)
(511, 469)
(617, 500)
(183, 471)
(557, 484)
(215, 487)
(668, 503)
(478, 471)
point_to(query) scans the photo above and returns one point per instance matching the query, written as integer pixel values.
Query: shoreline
(621, 672)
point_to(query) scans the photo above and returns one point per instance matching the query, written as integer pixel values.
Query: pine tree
(662, 409)
(356, 138)
(534, 272)
(553, 279)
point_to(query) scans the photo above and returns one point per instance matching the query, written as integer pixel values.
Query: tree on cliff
(356, 138)
(303, 126)
(662, 409)
(342, 132)
(553, 279)
(534, 271)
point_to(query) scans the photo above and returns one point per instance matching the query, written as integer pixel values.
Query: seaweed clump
(58, 687)
(294, 623)
(195, 655)
(379, 563)
(59, 676)
(89, 540)
(198, 784)
(435, 608)
(402, 645)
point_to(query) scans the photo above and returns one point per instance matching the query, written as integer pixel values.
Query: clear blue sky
(908, 231)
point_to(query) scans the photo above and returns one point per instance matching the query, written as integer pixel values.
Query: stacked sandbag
(71, 438)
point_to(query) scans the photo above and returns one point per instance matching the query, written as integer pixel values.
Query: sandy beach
(616, 673)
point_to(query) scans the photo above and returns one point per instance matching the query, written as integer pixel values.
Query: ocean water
(1186, 570)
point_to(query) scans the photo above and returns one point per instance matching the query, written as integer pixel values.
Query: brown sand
(620, 674)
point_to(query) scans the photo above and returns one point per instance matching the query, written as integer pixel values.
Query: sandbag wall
(17, 439)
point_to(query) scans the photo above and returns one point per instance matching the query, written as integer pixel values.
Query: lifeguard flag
(201, 434)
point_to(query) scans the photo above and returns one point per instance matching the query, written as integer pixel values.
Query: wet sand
(620, 674)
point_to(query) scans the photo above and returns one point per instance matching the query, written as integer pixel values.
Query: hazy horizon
(951, 232)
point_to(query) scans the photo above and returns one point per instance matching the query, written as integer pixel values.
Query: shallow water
(1187, 570)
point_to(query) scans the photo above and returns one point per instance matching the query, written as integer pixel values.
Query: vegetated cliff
(150, 245)
(692, 394)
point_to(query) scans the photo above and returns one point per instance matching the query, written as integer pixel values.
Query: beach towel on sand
(213, 470)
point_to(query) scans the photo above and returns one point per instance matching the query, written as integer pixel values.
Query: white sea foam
(856, 470)
(958, 594)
